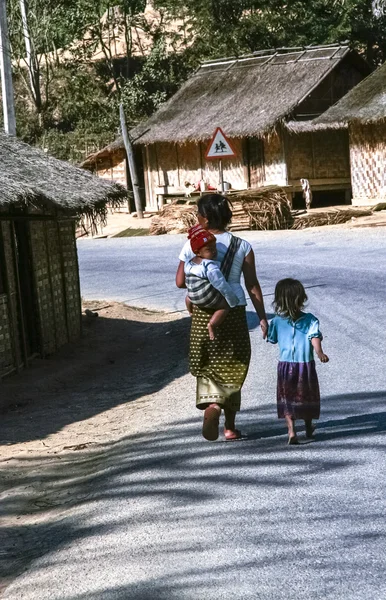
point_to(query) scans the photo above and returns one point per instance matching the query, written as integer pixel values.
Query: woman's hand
(264, 327)
(254, 290)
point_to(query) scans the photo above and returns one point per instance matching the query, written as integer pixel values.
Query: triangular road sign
(219, 147)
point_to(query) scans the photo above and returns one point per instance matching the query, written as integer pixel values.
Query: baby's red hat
(199, 237)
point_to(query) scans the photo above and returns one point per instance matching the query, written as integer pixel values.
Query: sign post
(219, 148)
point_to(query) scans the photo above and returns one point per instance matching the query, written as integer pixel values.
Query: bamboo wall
(112, 167)
(171, 165)
(368, 160)
(56, 291)
(318, 155)
(274, 164)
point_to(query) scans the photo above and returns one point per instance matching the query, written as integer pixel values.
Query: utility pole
(6, 73)
(131, 161)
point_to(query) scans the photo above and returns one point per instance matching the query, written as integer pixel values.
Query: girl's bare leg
(218, 317)
(310, 428)
(292, 437)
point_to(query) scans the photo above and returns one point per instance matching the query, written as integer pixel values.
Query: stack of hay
(335, 217)
(174, 218)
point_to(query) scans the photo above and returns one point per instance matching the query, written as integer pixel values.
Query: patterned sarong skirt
(220, 365)
(298, 393)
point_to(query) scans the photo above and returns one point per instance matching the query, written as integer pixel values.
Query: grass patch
(131, 232)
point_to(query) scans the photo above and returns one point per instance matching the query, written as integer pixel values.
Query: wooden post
(6, 73)
(221, 176)
(131, 161)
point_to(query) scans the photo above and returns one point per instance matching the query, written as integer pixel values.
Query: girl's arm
(254, 290)
(180, 275)
(317, 344)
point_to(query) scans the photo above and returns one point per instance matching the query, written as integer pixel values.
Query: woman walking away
(298, 335)
(221, 365)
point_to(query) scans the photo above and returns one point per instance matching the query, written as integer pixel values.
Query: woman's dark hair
(215, 208)
(290, 297)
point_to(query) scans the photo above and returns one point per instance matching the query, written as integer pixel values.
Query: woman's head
(214, 211)
(290, 297)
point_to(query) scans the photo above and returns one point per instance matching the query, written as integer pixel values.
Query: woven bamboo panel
(318, 155)
(274, 167)
(167, 165)
(368, 160)
(189, 163)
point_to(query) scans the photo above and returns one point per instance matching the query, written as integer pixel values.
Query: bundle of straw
(174, 218)
(328, 218)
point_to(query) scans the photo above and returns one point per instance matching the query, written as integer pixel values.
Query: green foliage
(64, 104)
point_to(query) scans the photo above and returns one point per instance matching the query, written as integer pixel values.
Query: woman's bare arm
(254, 290)
(180, 275)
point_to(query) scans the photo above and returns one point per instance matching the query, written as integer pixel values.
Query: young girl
(298, 335)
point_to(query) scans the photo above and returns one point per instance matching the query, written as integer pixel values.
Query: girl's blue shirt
(294, 337)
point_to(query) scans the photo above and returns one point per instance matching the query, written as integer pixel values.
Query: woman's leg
(230, 431)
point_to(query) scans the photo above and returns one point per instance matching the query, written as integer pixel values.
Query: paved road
(171, 517)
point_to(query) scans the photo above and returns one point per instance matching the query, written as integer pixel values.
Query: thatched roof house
(363, 109)
(265, 102)
(40, 200)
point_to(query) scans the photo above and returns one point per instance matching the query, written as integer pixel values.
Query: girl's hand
(323, 357)
(264, 328)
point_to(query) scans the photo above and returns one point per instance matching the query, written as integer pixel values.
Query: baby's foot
(212, 334)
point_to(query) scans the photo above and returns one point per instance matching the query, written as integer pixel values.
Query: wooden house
(363, 110)
(110, 163)
(41, 198)
(265, 104)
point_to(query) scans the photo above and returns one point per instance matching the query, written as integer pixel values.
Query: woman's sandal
(293, 441)
(232, 434)
(211, 421)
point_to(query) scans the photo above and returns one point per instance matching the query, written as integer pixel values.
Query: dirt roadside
(65, 411)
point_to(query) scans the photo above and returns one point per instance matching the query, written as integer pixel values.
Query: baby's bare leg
(218, 317)
(189, 305)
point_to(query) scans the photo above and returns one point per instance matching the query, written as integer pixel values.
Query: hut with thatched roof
(363, 110)
(41, 199)
(265, 104)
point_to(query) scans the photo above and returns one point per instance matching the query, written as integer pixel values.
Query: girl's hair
(290, 297)
(217, 209)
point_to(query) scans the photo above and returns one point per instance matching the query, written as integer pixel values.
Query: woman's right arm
(254, 290)
(180, 275)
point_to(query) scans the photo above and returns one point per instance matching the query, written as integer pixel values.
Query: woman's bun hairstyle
(217, 209)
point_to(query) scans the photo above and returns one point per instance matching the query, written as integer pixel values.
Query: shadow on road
(166, 477)
(116, 361)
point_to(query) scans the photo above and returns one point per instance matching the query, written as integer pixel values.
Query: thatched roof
(29, 176)
(365, 103)
(246, 96)
(95, 157)
(309, 126)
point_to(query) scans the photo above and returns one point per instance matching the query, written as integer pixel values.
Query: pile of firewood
(263, 208)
